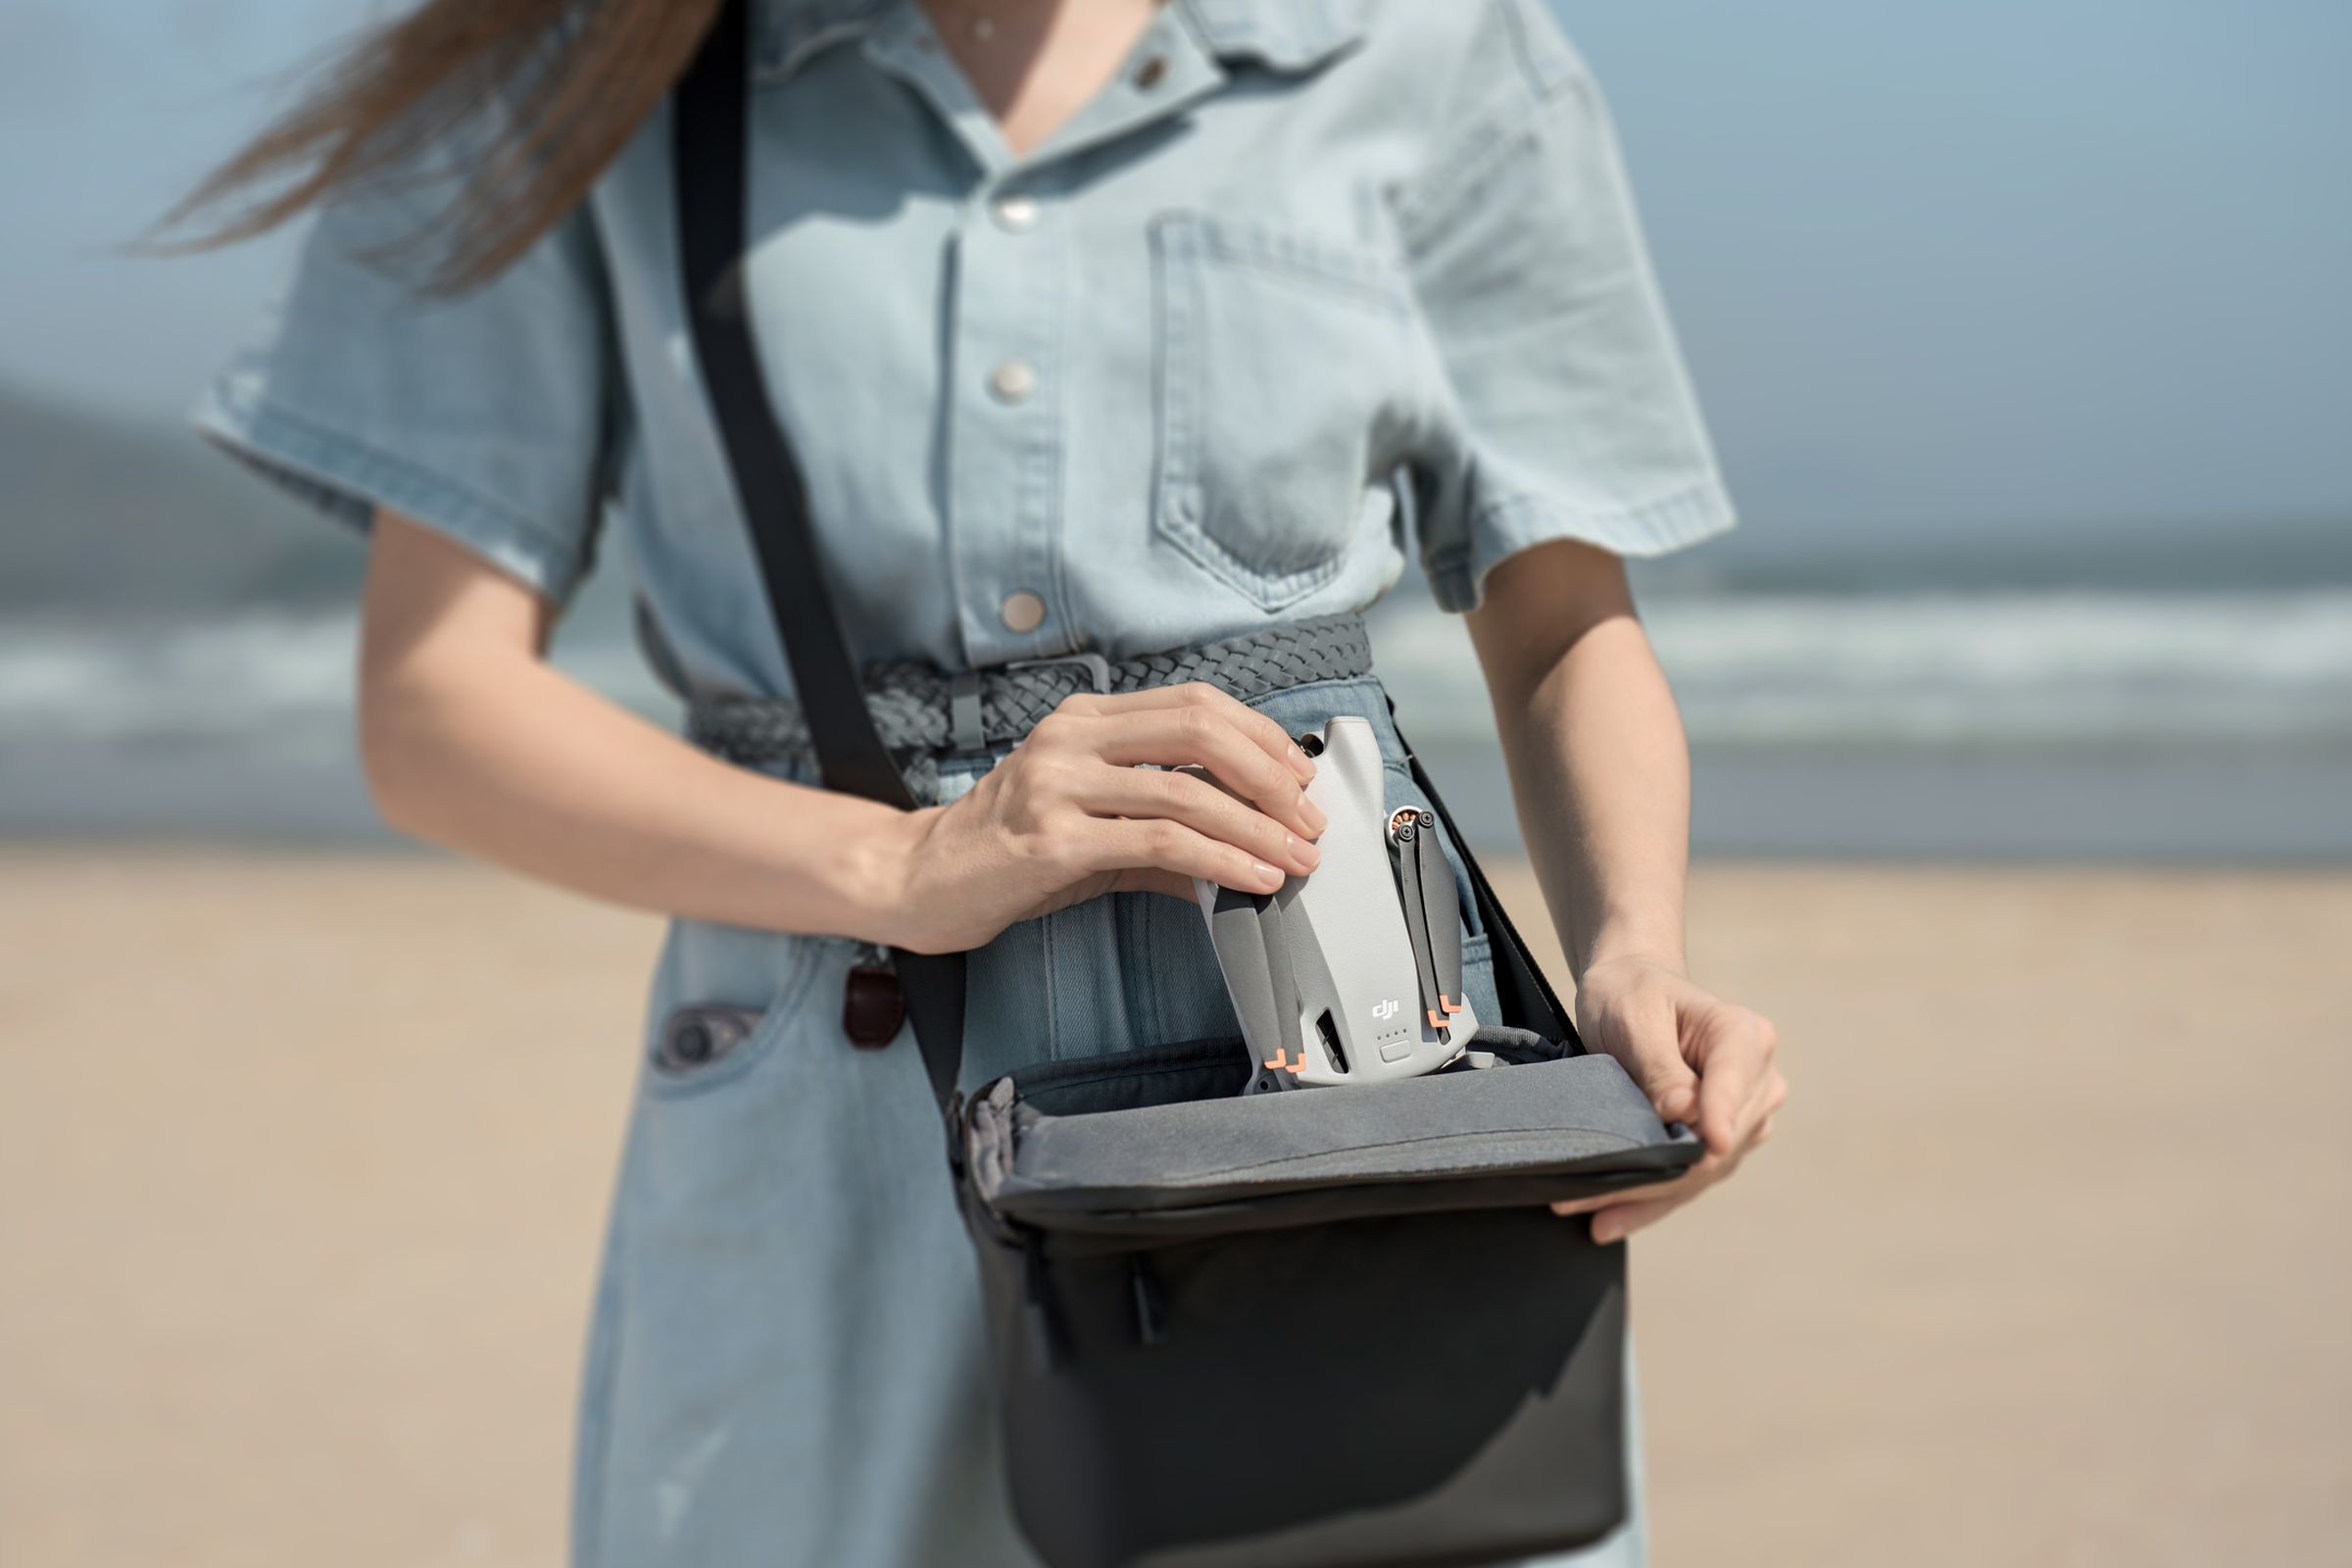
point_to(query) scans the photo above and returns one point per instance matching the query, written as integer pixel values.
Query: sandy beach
(303, 1159)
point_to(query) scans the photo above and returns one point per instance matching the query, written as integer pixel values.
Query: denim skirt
(786, 1367)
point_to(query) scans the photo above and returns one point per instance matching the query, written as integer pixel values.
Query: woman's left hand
(1702, 1061)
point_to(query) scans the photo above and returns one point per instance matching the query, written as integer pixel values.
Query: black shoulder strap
(708, 145)
(708, 149)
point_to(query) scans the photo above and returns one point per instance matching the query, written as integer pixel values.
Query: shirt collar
(1286, 35)
(789, 31)
(1283, 34)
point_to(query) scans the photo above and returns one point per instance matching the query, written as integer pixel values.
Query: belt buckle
(1095, 665)
(964, 732)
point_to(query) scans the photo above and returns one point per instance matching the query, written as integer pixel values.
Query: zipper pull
(1039, 1325)
(1151, 1306)
(873, 1004)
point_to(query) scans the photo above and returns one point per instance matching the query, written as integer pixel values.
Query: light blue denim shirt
(1309, 283)
(1166, 376)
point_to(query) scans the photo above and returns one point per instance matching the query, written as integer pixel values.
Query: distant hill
(106, 515)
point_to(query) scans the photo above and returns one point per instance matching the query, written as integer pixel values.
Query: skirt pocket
(696, 1046)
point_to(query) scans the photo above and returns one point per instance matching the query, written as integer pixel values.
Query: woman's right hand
(1072, 814)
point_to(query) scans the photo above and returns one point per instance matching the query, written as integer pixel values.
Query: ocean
(2034, 723)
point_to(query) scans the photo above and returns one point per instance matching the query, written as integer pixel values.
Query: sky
(1941, 269)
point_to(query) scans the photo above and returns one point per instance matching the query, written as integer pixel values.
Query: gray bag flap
(1577, 1114)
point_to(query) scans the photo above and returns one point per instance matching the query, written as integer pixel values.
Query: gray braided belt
(921, 710)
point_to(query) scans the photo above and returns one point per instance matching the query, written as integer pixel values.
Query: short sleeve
(1567, 411)
(483, 415)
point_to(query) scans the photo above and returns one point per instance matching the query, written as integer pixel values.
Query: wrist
(873, 873)
(1634, 950)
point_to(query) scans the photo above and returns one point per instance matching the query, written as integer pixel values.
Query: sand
(302, 1164)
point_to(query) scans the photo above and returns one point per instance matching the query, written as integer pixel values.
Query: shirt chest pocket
(1282, 361)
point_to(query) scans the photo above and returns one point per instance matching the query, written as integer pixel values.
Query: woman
(1099, 329)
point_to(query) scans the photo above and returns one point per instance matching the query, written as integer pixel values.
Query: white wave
(1964, 668)
(258, 674)
(2020, 668)
(94, 682)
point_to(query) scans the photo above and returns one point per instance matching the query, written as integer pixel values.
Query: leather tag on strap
(873, 1004)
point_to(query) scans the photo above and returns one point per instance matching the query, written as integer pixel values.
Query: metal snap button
(696, 1036)
(1022, 612)
(1012, 381)
(1148, 74)
(1016, 215)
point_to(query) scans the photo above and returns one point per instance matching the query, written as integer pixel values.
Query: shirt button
(1023, 611)
(1016, 215)
(1149, 74)
(1012, 381)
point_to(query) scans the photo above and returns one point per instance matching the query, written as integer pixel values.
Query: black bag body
(1358, 1426)
(1335, 1326)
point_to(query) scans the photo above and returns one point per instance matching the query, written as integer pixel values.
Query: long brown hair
(573, 80)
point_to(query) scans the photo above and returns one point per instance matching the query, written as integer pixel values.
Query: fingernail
(1300, 850)
(1313, 814)
(1302, 763)
(1266, 872)
(1605, 1232)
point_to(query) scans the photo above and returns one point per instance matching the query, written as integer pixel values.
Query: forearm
(1602, 777)
(517, 764)
(472, 741)
(1599, 765)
